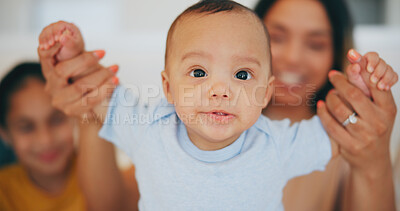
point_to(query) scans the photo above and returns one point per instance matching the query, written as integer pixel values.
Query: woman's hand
(365, 143)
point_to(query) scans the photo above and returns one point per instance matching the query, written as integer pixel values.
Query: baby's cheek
(186, 114)
(258, 96)
(191, 96)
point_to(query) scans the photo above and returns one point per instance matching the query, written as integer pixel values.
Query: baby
(207, 146)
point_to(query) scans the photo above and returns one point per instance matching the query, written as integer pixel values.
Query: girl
(44, 178)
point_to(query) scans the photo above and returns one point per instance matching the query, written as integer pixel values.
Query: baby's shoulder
(127, 104)
(270, 127)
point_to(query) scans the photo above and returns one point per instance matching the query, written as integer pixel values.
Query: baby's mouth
(219, 115)
(219, 112)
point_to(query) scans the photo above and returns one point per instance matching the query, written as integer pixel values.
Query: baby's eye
(197, 73)
(243, 75)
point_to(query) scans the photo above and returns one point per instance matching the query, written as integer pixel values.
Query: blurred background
(133, 33)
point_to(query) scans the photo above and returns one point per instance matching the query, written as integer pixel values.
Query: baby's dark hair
(208, 7)
(14, 81)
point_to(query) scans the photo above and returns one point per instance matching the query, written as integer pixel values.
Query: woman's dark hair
(14, 81)
(342, 29)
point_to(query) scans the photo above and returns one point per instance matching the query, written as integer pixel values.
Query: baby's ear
(270, 90)
(166, 86)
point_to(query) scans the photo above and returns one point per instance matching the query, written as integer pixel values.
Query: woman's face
(302, 49)
(41, 136)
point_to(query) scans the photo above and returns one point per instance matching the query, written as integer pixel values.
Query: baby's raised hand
(64, 36)
(381, 73)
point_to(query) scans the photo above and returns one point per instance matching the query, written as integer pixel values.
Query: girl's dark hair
(342, 29)
(15, 81)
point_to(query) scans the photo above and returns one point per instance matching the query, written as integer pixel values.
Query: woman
(308, 38)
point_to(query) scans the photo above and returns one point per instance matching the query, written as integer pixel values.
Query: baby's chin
(215, 138)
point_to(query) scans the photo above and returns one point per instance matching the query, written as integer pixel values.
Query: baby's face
(218, 76)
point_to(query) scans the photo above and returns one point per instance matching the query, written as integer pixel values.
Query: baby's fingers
(394, 79)
(59, 29)
(388, 79)
(45, 38)
(379, 71)
(372, 61)
(54, 32)
(354, 76)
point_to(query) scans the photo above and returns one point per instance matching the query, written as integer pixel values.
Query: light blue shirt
(249, 174)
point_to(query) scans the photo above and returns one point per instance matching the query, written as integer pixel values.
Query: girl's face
(41, 136)
(302, 49)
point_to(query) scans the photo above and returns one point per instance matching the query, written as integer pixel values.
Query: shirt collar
(215, 156)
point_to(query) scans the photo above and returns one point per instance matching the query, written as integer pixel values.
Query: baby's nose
(220, 90)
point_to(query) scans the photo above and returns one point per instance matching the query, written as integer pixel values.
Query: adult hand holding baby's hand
(75, 79)
(364, 143)
(369, 131)
(94, 84)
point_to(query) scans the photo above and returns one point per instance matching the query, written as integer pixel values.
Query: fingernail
(99, 54)
(320, 103)
(374, 79)
(332, 72)
(387, 88)
(115, 80)
(370, 69)
(354, 55)
(114, 68)
(381, 86)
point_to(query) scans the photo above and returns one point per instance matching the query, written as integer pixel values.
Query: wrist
(375, 171)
